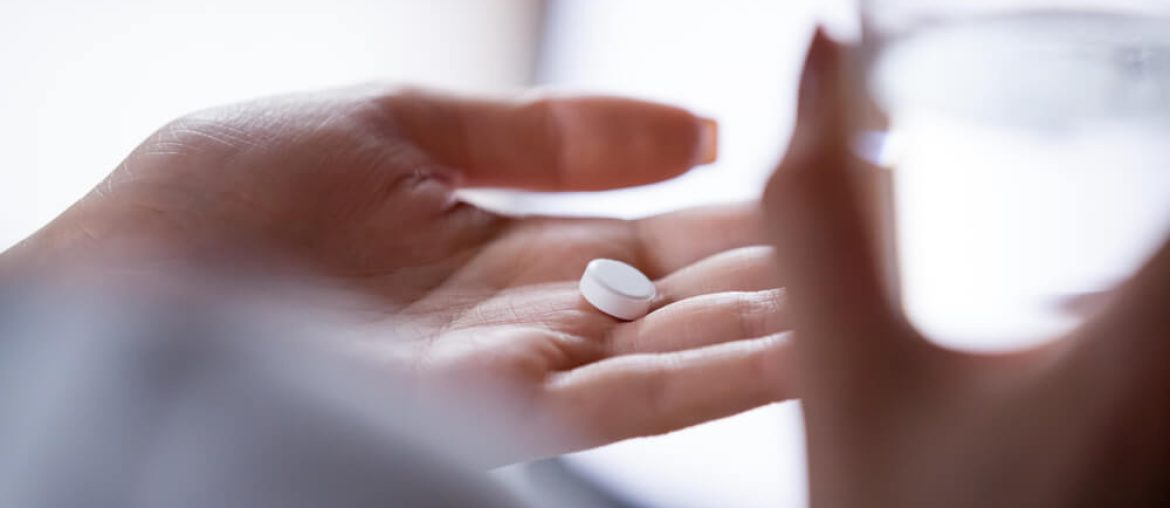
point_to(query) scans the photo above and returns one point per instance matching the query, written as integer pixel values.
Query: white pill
(617, 289)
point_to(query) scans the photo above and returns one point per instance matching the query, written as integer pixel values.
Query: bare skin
(353, 192)
(894, 420)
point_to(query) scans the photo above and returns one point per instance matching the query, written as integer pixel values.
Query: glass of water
(1028, 144)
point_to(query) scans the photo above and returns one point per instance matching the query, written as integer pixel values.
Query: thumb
(847, 325)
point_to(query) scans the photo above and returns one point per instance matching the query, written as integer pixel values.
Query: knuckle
(388, 105)
(377, 102)
(215, 128)
(751, 314)
(771, 364)
(759, 313)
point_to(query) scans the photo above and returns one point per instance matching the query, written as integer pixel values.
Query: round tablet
(617, 289)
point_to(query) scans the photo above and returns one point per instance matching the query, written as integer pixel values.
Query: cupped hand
(894, 420)
(356, 190)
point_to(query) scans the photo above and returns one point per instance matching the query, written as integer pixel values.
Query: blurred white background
(86, 81)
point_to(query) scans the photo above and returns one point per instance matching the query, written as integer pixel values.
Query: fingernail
(707, 148)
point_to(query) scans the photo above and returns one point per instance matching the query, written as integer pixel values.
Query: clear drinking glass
(1029, 148)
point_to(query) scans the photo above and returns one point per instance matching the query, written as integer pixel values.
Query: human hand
(893, 420)
(355, 189)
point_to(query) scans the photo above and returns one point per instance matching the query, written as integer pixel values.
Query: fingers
(641, 395)
(743, 269)
(729, 296)
(536, 250)
(825, 248)
(554, 143)
(702, 321)
(672, 241)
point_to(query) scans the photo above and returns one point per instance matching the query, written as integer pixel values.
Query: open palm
(356, 190)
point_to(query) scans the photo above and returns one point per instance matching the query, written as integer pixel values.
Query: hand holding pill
(354, 193)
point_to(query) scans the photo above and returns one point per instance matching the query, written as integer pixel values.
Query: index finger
(554, 143)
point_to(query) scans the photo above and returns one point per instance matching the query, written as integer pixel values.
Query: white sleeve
(102, 408)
